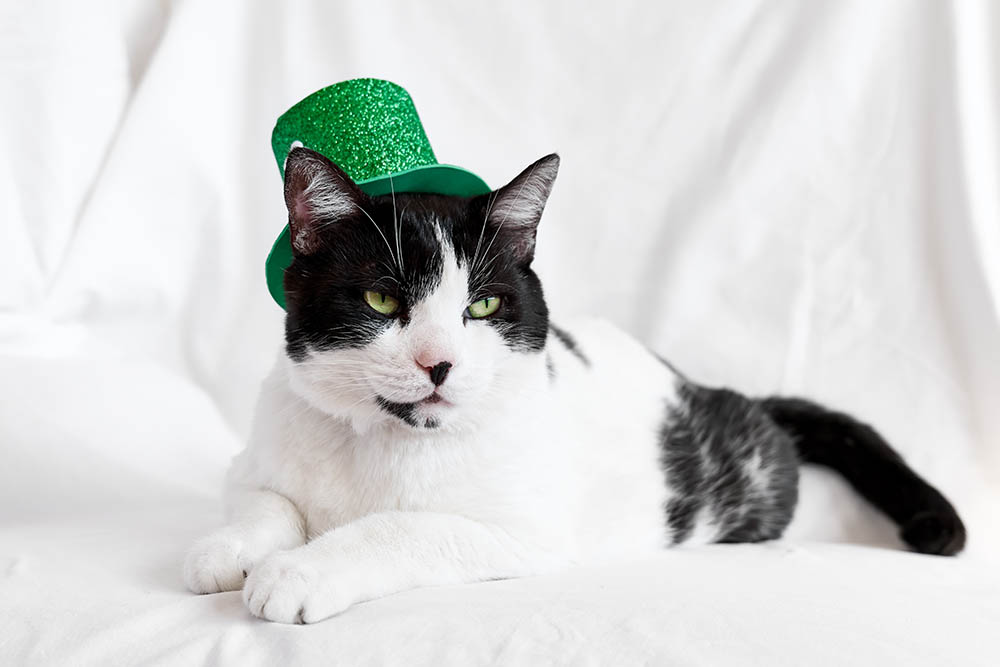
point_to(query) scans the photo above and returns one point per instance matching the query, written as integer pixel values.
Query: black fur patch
(570, 343)
(393, 244)
(403, 411)
(496, 270)
(928, 522)
(324, 290)
(733, 461)
(725, 460)
(673, 369)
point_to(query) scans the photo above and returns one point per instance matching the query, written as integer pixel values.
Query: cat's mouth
(408, 413)
(433, 398)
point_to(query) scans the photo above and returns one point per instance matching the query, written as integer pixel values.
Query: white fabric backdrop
(778, 196)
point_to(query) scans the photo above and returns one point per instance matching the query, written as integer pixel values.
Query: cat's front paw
(217, 563)
(293, 587)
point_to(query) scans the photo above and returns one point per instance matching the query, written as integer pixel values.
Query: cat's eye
(382, 303)
(484, 307)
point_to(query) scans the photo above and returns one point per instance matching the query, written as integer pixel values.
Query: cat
(426, 423)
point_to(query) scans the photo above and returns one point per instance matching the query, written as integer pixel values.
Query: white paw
(294, 587)
(219, 562)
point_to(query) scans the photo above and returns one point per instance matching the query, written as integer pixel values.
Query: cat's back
(592, 359)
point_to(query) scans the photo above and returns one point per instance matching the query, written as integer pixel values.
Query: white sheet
(781, 197)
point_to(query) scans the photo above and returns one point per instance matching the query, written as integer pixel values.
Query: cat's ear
(317, 193)
(516, 208)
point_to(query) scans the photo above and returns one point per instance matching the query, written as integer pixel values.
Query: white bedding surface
(117, 601)
(781, 197)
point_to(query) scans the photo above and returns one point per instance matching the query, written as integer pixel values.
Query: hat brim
(439, 179)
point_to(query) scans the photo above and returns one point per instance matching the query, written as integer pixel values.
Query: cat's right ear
(317, 193)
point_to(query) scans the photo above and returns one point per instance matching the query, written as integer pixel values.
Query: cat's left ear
(516, 208)
(317, 193)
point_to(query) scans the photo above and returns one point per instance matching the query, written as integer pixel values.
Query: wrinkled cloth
(794, 198)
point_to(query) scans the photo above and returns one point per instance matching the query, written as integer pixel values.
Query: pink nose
(433, 362)
(431, 356)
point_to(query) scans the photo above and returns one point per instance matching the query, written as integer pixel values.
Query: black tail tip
(940, 533)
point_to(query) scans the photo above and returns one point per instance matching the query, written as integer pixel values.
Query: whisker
(482, 230)
(396, 223)
(399, 242)
(388, 247)
(511, 207)
(494, 284)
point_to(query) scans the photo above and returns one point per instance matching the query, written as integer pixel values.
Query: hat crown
(367, 127)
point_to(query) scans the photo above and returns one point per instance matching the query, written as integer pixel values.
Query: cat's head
(415, 310)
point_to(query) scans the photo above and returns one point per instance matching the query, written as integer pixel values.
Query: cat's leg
(381, 554)
(260, 523)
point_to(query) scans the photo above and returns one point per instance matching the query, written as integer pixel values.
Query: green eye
(382, 303)
(484, 307)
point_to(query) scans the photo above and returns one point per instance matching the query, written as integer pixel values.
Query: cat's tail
(927, 521)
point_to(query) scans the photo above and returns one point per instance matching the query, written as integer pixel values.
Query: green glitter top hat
(370, 129)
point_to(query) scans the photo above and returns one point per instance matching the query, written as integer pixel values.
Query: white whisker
(482, 230)
(388, 247)
(511, 207)
(397, 222)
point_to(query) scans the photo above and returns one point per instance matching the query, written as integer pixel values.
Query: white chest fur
(569, 461)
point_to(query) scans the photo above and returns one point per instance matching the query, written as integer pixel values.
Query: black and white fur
(428, 447)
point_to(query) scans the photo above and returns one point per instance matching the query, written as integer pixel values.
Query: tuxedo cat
(427, 424)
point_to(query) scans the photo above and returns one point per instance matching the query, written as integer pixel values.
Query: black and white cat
(426, 423)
